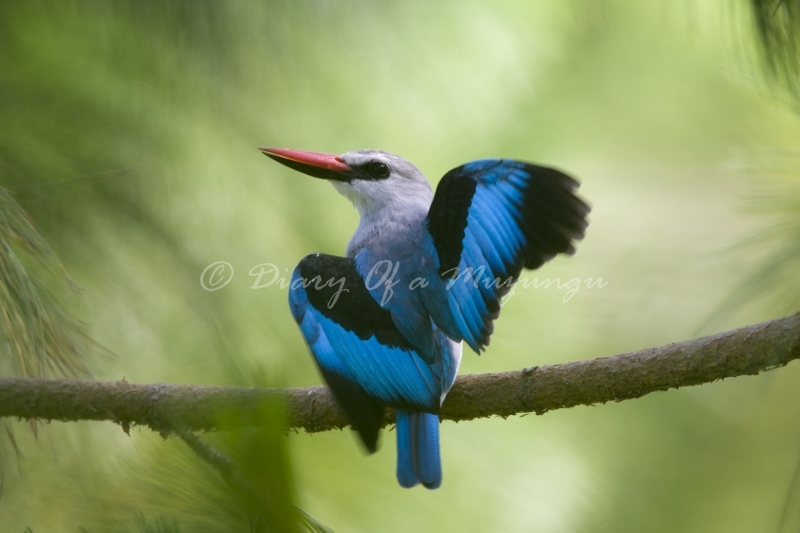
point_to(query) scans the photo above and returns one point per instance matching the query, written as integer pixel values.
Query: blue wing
(488, 220)
(364, 358)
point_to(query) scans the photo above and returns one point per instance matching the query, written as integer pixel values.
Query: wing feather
(488, 220)
(362, 355)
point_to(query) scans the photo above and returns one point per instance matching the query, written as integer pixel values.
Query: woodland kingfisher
(423, 272)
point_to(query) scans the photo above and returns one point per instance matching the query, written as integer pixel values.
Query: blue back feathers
(364, 358)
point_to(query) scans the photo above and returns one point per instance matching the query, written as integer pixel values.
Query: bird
(423, 273)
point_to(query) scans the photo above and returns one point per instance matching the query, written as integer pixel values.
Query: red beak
(318, 165)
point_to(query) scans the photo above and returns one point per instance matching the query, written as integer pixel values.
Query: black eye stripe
(374, 170)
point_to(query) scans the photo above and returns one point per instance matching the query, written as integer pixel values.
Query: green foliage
(778, 24)
(38, 334)
(259, 473)
(158, 525)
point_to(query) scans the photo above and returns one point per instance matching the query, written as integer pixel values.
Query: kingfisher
(422, 273)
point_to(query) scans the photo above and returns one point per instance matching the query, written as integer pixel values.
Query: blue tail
(418, 450)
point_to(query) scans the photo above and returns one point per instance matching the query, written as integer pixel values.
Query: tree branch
(163, 407)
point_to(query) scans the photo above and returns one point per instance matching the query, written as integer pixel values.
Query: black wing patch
(447, 217)
(337, 290)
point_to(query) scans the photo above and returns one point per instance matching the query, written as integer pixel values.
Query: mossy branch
(163, 407)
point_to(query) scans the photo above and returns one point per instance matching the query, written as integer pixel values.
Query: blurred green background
(128, 132)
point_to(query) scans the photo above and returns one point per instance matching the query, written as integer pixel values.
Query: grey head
(378, 183)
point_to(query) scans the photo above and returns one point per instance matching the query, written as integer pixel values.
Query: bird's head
(373, 180)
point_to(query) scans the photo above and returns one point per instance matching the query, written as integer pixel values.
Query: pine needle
(40, 337)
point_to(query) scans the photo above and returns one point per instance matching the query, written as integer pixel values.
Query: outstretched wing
(362, 355)
(488, 220)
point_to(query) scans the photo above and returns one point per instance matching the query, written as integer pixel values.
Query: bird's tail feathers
(418, 450)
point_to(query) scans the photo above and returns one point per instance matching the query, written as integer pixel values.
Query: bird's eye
(376, 169)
